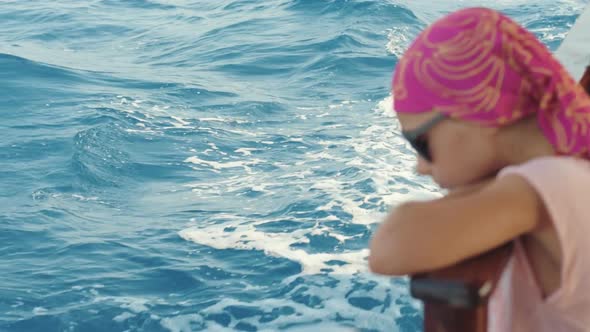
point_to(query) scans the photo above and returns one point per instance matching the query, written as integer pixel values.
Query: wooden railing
(456, 298)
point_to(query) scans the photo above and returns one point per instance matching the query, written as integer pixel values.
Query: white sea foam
(378, 159)
(223, 120)
(38, 311)
(246, 151)
(181, 323)
(222, 165)
(136, 305)
(123, 317)
(371, 170)
(399, 39)
(246, 237)
(335, 302)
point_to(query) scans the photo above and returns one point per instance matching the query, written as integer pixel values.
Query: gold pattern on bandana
(471, 55)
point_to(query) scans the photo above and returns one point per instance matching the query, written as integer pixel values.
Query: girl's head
(475, 89)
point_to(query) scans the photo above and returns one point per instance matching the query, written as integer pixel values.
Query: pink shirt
(517, 303)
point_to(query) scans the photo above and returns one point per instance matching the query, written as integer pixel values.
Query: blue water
(188, 165)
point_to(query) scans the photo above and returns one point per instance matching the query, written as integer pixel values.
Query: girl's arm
(423, 236)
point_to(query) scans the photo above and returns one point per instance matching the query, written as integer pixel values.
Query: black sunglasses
(417, 137)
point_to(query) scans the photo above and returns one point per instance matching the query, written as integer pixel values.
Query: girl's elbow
(389, 246)
(383, 266)
(383, 259)
(389, 265)
(386, 247)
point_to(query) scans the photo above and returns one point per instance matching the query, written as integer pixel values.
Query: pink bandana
(478, 65)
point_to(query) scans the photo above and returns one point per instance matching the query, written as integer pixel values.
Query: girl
(498, 122)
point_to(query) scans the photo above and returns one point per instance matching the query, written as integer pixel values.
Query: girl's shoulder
(552, 165)
(561, 182)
